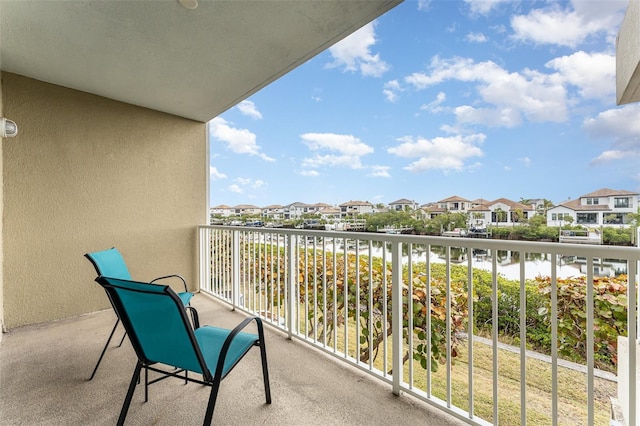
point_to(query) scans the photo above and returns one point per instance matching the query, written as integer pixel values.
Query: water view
(508, 262)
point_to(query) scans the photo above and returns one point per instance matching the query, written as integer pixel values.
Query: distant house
(455, 204)
(479, 216)
(480, 202)
(432, 210)
(403, 204)
(500, 212)
(421, 213)
(329, 213)
(221, 210)
(604, 207)
(354, 208)
(538, 204)
(316, 208)
(246, 209)
(274, 211)
(295, 210)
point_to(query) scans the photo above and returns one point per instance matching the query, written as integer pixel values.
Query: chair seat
(211, 340)
(185, 297)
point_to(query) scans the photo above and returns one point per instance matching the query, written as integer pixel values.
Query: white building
(455, 204)
(403, 204)
(604, 207)
(500, 212)
(221, 210)
(354, 208)
(274, 211)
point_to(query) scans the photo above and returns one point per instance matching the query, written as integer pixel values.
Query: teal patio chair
(156, 321)
(110, 263)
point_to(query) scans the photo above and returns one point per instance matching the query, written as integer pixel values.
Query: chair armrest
(184, 282)
(227, 343)
(195, 319)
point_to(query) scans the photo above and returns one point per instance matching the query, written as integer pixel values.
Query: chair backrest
(109, 263)
(157, 324)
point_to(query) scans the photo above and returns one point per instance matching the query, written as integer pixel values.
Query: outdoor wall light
(8, 128)
(188, 4)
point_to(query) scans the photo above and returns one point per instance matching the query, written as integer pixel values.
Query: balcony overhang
(628, 56)
(157, 54)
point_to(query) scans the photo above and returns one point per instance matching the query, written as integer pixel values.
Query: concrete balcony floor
(44, 371)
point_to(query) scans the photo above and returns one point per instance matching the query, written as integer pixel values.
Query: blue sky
(480, 99)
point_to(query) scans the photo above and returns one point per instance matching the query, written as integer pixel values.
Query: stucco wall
(1, 229)
(87, 173)
(628, 56)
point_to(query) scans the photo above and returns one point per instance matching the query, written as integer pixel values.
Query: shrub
(610, 317)
(616, 236)
(509, 310)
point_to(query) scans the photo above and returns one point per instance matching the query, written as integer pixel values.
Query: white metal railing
(343, 292)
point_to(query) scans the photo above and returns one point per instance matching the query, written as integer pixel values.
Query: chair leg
(265, 371)
(146, 384)
(122, 340)
(127, 400)
(212, 402)
(106, 345)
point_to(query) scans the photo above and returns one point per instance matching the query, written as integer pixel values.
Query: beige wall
(1, 229)
(86, 173)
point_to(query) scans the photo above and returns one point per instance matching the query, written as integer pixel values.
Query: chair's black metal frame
(208, 379)
(193, 312)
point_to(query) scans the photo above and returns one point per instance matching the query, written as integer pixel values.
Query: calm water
(508, 263)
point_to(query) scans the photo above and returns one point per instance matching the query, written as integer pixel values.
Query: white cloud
(312, 173)
(354, 53)
(593, 73)
(349, 150)
(441, 153)
(424, 4)
(565, 27)
(332, 161)
(346, 144)
(483, 7)
(391, 90)
(476, 38)
(239, 141)
(242, 184)
(526, 161)
(608, 156)
(538, 97)
(248, 108)
(490, 117)
(215, 174)
(435, 105)
(380, 171)
(622, 127)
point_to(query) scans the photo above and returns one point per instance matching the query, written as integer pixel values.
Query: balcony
(44, 371)
(295, 279)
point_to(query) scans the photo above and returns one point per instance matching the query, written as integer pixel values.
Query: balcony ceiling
(157, 54)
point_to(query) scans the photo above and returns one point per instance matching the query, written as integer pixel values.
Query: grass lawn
(572, 386)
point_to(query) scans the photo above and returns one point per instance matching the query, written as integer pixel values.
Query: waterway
(508, 263)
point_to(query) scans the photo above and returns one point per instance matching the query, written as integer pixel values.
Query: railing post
(632, 339)
(396, 314)
(235, 267)
(204, 259)
(292, 279)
